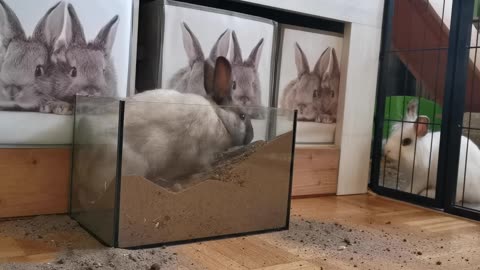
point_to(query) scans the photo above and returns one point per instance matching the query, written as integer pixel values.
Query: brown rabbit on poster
(314, 93)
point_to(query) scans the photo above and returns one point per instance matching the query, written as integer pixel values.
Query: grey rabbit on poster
(26, 82)
(247, 89)
(81, 67)
(314, 93)
(190, 79)
(165, 139)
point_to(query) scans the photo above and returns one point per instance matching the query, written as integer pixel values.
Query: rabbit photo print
(194, 38)
(308, 81)
(52, 50)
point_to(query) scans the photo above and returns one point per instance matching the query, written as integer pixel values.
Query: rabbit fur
(314, 93)
(415, 143)
(190, 79)
(169, 135)
(26, 82)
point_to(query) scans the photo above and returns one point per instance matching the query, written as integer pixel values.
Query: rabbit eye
(39, 71)
(315, 93)
(332, 94)
(242, 116)
(234, 86)
(73, 72)
(406, 141)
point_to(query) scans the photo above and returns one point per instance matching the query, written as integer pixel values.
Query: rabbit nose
(244, 99)
(301, 106)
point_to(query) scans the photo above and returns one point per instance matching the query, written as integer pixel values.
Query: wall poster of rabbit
(308, 81)
(51, 50)
(195, 36)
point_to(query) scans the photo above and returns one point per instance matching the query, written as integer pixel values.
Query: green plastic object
(396, 106)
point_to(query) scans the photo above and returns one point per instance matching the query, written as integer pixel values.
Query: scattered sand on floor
(341, 245)
(79, 250)
(378, 245)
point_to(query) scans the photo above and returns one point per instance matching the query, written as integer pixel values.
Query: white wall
(359, 67)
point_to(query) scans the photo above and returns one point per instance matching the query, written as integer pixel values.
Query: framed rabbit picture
(191, 39)
(52, 50)
(308, 78)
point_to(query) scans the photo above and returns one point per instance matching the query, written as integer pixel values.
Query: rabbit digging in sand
(173, 136)
(415, 143)
(26, 81)
(314, 93)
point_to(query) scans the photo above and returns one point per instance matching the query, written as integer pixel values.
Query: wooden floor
(350, 232)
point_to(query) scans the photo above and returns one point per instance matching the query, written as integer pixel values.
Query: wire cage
(147, 173)
(427, 115)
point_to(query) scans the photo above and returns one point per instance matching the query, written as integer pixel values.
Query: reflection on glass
(93, 185)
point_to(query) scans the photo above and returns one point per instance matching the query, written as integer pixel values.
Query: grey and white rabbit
(190, 79)
(81, 67)
(417, 148)
(246, 80)
(26, 82)
(314, 93)
(169, 135)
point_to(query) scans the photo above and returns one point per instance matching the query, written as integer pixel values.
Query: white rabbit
(26, 81)
(247, 89)
(168, 135)
(190, 79)
(417, 144)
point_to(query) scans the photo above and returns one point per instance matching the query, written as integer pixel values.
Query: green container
(396, 106)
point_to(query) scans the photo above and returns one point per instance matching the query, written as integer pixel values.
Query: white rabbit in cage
(416, 150)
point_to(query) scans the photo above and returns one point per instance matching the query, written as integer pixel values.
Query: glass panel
(196, 171)
(418, 25)
(94, 166)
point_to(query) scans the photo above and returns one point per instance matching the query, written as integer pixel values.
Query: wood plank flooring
(350, 232)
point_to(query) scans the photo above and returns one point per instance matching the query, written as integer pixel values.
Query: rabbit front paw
(57, 107)
(325, 119)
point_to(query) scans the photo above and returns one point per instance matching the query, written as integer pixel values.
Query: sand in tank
(246, 190)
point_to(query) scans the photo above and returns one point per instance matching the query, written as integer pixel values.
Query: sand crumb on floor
(79, 250)
(333, 244)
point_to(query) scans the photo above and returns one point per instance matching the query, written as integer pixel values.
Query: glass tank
(147, 173)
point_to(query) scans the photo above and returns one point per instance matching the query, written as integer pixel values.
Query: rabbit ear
(192, 45)
(53, 27)
(412, 109)
(254, 57)
(327, 65)
(301, 61)
(10, 27)
(236, 56)
(106, 36)
(222, 81)
(221, 46)
(421, 125)
(78, 35)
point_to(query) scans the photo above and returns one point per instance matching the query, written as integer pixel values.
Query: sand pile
(246, 190)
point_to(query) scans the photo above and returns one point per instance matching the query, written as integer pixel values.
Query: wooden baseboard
(316, 171)
(34, 181)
